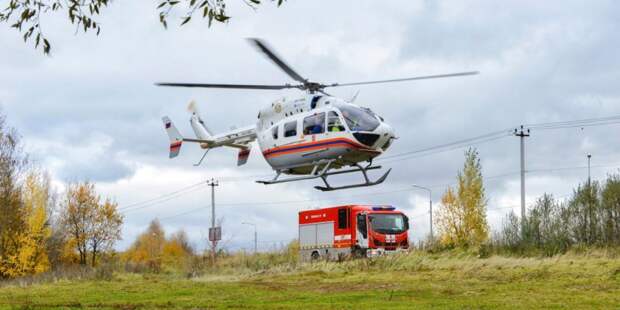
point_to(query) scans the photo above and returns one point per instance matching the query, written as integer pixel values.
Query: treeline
(591, 217)
(42, 229)
(153, 251)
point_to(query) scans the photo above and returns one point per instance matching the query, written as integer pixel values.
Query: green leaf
(186, 20)
(161, 5)
(46, 46)
(221, 18)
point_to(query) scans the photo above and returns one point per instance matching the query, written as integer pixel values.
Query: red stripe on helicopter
(303, 147)
(175, 145)
(244, 153)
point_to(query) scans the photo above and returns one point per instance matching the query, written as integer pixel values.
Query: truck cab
(352, 230)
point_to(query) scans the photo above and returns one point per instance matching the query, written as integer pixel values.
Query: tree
(90, 225)
(12, 219)
(461, 219)
(32, 256)
(177, 249)
(610, 205)
(25, 15)
(148, 248)
(106, 229)
(584, 207)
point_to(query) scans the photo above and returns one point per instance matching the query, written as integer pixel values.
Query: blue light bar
(383, 208)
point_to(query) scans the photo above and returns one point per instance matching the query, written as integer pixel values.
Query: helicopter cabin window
(290, 129)
(274, 132)
(334, 124)
(314, 124)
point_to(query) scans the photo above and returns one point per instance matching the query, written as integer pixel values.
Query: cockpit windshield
(358, 119)
(388, 223)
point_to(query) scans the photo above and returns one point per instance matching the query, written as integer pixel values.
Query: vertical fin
(243, 156)
(174, 135)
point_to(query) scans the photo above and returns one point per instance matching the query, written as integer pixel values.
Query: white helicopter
(310, 137)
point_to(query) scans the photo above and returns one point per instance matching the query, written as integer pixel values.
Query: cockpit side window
(334, 124)
(314, 124)
(274, 132)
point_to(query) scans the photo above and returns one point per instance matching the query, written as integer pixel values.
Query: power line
(181, 190)
(447, 146)
(406, 189)
(576, 123)
(409, 154)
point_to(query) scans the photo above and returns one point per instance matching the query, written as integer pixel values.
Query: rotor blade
(405, 79)
(237, 86)
(262, 46)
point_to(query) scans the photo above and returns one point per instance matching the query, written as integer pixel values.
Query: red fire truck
(356, 230)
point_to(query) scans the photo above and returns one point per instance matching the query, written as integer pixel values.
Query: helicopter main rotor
(305, 84)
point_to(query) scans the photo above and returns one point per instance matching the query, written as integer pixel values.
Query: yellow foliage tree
(461, 220)
(36, 196)
(91, 226)
(148, 248)
(30, 254)
(176, 250)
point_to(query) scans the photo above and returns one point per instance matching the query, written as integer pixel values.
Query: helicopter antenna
(354, 96)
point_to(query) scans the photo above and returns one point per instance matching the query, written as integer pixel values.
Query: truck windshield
(358, 119)
(388, 223)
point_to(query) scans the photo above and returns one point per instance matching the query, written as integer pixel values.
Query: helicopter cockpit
(359, 119)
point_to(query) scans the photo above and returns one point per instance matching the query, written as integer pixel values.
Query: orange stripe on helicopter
(308, 146)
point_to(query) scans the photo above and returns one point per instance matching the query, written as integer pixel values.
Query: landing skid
(324, 173)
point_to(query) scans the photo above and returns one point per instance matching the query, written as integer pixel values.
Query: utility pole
(589, 156)
(430, 205)
(255, 236)
(522, 135)
(214, 233)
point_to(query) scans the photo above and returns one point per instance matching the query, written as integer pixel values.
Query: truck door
(362, 231)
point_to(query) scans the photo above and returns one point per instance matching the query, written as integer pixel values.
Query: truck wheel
(315, 256)
(359, 252)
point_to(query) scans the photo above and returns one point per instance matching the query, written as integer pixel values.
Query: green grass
(410, 281)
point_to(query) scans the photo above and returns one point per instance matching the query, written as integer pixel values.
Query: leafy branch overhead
(25, 15)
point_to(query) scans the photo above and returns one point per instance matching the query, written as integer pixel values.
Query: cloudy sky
(90, 110)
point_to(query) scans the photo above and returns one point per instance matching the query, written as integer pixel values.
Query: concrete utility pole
(430, 205)
(522, 135)
(213, 235)
(255, 236)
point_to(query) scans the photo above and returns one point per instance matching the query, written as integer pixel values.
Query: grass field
(410, 281)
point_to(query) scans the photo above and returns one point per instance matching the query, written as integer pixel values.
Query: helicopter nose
(387, 135)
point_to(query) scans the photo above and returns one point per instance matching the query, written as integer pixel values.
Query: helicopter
(311, 137)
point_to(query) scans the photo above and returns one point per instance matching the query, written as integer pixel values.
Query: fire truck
(351, 230)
